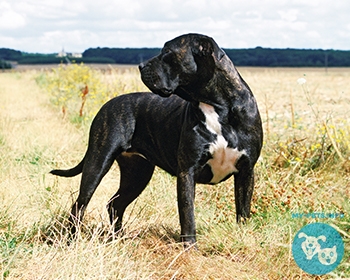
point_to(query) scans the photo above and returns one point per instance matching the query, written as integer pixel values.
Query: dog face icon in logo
(318, 248)
(311, 246)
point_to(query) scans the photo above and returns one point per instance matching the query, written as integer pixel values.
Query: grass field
(304, 168)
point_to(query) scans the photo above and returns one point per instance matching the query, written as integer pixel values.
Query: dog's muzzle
(153, 81)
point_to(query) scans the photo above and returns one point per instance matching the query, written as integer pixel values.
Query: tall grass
(304, 168)
(80, 90)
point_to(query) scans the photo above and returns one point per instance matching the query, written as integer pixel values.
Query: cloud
(10, 19)
(47, 26)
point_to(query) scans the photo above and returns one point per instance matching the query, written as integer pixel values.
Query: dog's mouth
(151, 82)
(180, 91)
(164, 92)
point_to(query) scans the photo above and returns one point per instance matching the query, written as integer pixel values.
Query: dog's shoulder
(140, 98)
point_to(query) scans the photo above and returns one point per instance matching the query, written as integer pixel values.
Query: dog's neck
(226, 91)
(232, 86)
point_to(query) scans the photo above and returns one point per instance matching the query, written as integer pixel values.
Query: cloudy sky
(46, 26)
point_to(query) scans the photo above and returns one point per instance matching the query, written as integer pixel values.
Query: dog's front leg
(185, 198)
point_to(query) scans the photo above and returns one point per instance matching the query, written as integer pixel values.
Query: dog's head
(185, 64)
(310, 245)
(311, 241)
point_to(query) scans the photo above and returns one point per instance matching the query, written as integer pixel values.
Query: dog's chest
(224, 158)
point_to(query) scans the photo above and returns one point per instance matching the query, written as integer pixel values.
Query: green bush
(5, 65)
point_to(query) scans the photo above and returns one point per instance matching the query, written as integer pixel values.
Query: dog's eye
(167, 56)
(166, 51)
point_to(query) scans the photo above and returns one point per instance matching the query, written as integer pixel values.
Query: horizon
(250, 48)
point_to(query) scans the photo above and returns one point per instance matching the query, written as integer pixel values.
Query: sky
(45, 26)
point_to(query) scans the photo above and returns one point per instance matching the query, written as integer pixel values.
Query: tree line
(266, 57)
(259, 56)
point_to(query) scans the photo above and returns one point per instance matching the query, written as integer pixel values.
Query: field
(303, 173)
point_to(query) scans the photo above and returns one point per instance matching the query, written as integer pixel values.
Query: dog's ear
(302, 234)
(207, 46)
(322, 237)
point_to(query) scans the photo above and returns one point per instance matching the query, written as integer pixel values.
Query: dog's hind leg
(96, 165)
(244, 186)
(135, 173)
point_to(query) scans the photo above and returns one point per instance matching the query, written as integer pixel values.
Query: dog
(310, 245)
(200, 123)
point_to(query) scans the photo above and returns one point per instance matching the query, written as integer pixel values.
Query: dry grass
(304, 168)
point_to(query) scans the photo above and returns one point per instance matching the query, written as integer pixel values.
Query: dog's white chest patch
(224, 159)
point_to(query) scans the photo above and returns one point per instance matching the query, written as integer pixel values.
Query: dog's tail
(69, 172)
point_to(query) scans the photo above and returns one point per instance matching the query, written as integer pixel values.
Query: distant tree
(9, 54)
(122, 56)
(5, 65)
